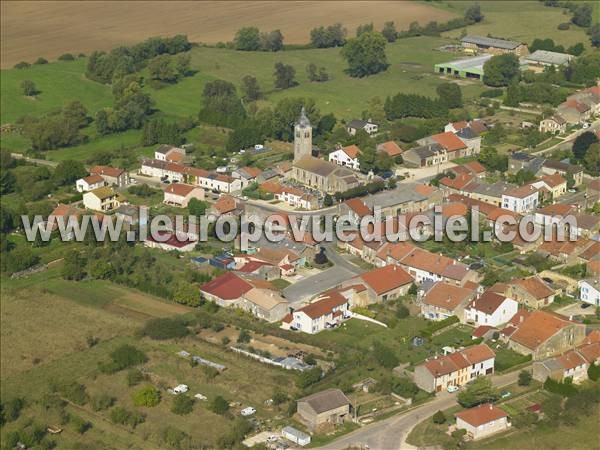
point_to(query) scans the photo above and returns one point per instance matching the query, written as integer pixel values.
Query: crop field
(48, 29)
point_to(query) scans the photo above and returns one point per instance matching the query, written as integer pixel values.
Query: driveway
(313, 285)
(390, 434)
(576, 310)
(423, 174)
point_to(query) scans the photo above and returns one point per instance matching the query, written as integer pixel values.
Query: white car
(247, 411)
(200, 397)
(452, 389)
(181, 389)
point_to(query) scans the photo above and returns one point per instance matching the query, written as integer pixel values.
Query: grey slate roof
(467, 133)
(490, 42)
(427, 151)
(326, 400)
(546, 57)
(357, 123)
(404, 194)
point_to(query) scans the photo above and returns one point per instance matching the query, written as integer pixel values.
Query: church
(314, 172)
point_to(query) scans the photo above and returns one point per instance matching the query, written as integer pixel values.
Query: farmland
(104, 25)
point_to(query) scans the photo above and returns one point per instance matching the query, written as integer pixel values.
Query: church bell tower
(302, 137)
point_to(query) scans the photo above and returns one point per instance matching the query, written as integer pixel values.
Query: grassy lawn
(501, 21)
(506, 358)
(280, 283)
(428, 433)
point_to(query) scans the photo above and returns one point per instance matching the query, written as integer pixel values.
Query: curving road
(390, 434)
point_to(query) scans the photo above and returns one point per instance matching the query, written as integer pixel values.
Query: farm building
(473, 44)
(464, 68)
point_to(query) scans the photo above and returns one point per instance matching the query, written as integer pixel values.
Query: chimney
(491, 407)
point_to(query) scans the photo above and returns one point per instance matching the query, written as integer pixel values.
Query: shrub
(123, 416)
(146, 396)
(439, 418)
(66, 57)
(492, 93)
(11, 410)
(219, 405)
(22, 65)
(594, 372)
(564, 26)
(101, 401)
(123, 357)
(525, 378)
(244, 337)
(41, 60)
(402, 312)
(565, 389)
(161, 329)
(182, 405)
(81, 425)
(74, 392)
(135, 377)
(436, 326)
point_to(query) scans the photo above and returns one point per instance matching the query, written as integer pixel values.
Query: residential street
(389, 434)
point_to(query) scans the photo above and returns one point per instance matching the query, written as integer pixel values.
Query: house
(357, 124)
(572, 364)
(346, 156)
(102, 199)
(392, 149)
(423, 265)
(180, 194)
(355, 208)
(476, 169)
(169, 153)
(111, 175)
(556, 184)
(170, 241)
(550, 167)
(327, 311)
(471, 139)
(450, 142)
(475, 44)
(286, 259)
(256, 267)
(404, 199)
(265, 304)
(574, 111)
(590, 97)
(482, 421)
(62, 213)
(455, 127)
(543, 334)
(324, 175)
(588, 226)
(247, 175)
(444, 300)
(589, 291)
(490, 309)
(297, 198)
(385, 283)
(455, 369)
(227, 290)
(226, 204)
(555, 124)
(521, 199)
(456, 184)
(330, 406)
(532, 292)
(486, 192)
(425, 156)
(89, 183)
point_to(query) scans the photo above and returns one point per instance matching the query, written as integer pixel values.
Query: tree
(576, 49)
(165, 328)
(332, 36)
(592, 160)
(244, 337)
(328, 201)
(402, 312)
(501, 70)
(187, 294)
(385, 355)
(182, 405)
(582, 16)
(316, 74)
(450, 95)
(66, 57)
(439, 418)
(594, 34)
(321, 257)
(247, 39)
(74, 266)
(389, 31)
(161, 68)
(182, 64)
(220, 104)
(271, 42)
(67, 172)
(76, 112)
(473, 13)
(582, 144)
(146, 396)
(525, 378)
(364, 28)
(251, 89)
(365, 54)
(219, 405)
(479, 391)
(197, 207)
(309, 377)
(284, 76)
(28, 88)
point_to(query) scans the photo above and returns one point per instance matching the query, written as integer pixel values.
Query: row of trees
(549, 45)
(415, 105)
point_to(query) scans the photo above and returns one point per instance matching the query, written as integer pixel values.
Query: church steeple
(302, 136)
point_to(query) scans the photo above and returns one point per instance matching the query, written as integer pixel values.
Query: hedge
(428, 331)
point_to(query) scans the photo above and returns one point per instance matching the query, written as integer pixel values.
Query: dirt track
(48, 29)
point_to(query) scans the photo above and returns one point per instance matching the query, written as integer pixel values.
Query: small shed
(296, 436)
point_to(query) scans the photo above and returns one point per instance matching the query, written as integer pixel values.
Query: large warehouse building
(464, 68)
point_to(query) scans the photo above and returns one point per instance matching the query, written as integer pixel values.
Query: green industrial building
(464, 68)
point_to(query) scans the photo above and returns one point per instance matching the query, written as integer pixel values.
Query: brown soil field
(50, 28)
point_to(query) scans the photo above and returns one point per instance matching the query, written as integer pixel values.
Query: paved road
(389, 434)
(568, 141)
(42, 162)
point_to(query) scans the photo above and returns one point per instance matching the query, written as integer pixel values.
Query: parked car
(505, 394)
(585, 305)
(247, 411)
(452, 389)
(181, 389)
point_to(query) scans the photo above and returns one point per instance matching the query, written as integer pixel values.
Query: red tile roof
(447, 296)
(458, 182)
(535, 286)
(482, 414)
(358, 207)
(449, 141)
(553, 180)
(454, 209)
(521, 191)
(425, 189)
(179, 189)
(387, 278)
(460, 360)
(481, 330)
(225, 204)
(538, 328)
(106, 170)
(93, 179)
(475, 167)
(352, 151)
(172, 240)
(391, 148)
(395, 250)
(570, 360)
(228, 286)
(324, 305)
(460, 125)
(488, 302)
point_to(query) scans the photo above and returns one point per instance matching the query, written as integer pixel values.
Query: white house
(169, 153)
(555, 124)
(589, 291)
(327, 311)
(180, 194)
(346, 156)
(520, 200)
(89, 183)
(102, 199)
(490, 309)
(356, 124)
(296, 198)
(483, 420)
